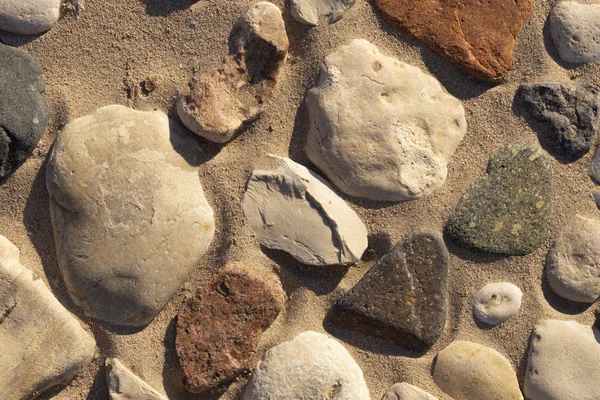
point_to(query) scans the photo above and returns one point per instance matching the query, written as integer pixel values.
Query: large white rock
(496, 302)
(381, 129)
(129, 215)
(564, 362)
(295, 210)
(41, 343)
(310, 11)
(310, 366)
(573, 262)
(123, 384)
(471, 371)
(28, 17)
(575, 29)
(406, 391)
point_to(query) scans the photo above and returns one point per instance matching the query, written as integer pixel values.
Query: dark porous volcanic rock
(218, 328)
(24, 112)
(403, 297)
(478, 36)
(571, 112)
(507, 210)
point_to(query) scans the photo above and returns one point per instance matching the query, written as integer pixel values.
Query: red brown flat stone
(477, 35)
(218, 329)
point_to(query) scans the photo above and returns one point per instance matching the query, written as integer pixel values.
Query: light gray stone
(594, 169)
(379, 128)
(310, 366)
(42, 344)
(295, 210)
(123, 384)
(575, 29)
(496, 302)
(28, 17)
(310, 11)
(564, 362)
(471, 371)
(573, 262)
(406, 391)
(129, 214)
(596, 197)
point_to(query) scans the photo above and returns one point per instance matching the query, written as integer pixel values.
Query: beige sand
(85, 68)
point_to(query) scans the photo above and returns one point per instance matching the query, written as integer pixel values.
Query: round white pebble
(496, 302)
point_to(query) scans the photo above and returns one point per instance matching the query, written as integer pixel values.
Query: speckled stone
(403, 297)
(218, 329)
(507, 210)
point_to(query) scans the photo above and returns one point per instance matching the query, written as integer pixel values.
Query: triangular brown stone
(403, 297)
(477, 35)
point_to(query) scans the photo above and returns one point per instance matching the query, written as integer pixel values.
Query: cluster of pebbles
(131, 220)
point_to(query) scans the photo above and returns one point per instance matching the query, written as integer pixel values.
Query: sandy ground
(116, 44)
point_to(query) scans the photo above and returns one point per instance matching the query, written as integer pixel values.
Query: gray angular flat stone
(310, 11)
(24, 113)
(42, 344)
(28, 17)
(123, 384)
(507, 210)
(594, 169)
(129, 214)
(403, 297)
(575, 30)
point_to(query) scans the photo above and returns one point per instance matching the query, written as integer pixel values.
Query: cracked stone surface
(128, 211)
(219, 104)
(507, 210)
(471, 371)
(310, 11)
(403, 297)
(219, 328)
(24, 113)
(310, 366)
(123, 384)
(477, 36)
(571, 113)
(496, 302)
(28, 17)
(575, 30)
(563, 362)
(379, 128)
(295, 210)
(43, 345)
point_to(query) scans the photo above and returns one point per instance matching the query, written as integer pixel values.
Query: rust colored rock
(218, 328)
(478, 36)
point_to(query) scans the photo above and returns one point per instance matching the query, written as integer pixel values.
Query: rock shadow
(163, 8)
(464, 252)
(553, 51)
(522, 365)
(380, 243)
(17, 40)
(180, 138)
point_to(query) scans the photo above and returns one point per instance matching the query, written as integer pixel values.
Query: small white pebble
(496, 302)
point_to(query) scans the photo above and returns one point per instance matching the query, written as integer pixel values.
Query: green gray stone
(507, 210)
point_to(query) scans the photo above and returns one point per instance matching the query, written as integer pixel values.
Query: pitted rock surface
(123, 384)
(507, 210)
(575, 30)
(217, 105)
(218, 329)
(28, 17)
(478, 36)
(129, 214)
(403, 297)
(310, 11)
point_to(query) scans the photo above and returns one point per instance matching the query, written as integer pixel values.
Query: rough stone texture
(311, 366)
(573, 262)
(123, 384)
(403, 297)
(295, 210)
(28, 17)
(507, 210)
(496, 302)
(571, 113)
(309, 11)
(478, 36)
(406, 391)
(43, 345)
(129, 215)
(218, 104)
(218, 329)
(575, 30)
(470, 371)
(381, 129)
(594, 169)
(24, 112)
(564, 362)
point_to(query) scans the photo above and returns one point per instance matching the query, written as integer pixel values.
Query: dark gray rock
(24, 112)
(571, 112)
(507, 210)
(403, 297)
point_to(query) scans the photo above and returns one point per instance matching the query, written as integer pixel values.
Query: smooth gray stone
(28, 17)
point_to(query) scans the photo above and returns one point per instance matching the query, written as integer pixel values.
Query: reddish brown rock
(218, 328)
(478, 36)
